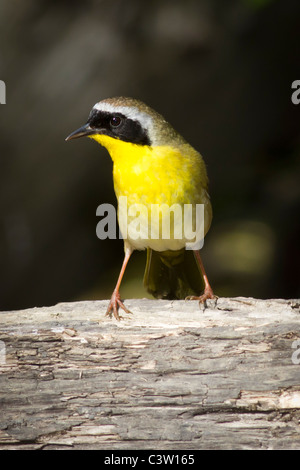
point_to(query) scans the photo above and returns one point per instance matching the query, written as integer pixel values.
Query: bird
(153, 166)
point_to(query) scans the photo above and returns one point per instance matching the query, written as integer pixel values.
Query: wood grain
(169, 376)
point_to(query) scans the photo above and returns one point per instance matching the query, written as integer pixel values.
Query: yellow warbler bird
(156, 172)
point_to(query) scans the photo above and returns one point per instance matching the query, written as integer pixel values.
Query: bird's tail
(172, 274)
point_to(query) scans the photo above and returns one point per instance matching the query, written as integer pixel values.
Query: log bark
(169, 376)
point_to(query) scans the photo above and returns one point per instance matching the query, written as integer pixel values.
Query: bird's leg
(208, 292)
(115, 301)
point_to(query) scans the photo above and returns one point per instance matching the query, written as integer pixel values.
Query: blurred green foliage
(257, 3)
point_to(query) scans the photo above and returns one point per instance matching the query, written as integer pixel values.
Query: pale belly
(161, 225)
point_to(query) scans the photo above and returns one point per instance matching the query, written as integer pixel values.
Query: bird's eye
(115, 121)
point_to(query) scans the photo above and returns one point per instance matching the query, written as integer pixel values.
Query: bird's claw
(114, 305)
(208, 294)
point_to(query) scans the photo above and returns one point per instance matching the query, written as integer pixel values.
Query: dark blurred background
(220, 72)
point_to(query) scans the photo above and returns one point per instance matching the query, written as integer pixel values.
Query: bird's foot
(208, 294)
(114, 305)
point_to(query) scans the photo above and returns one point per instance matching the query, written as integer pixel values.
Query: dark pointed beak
(81, 132)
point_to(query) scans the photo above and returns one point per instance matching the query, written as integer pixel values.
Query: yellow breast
(158, 175)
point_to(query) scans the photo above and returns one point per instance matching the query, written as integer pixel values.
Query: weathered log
(169, 376)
